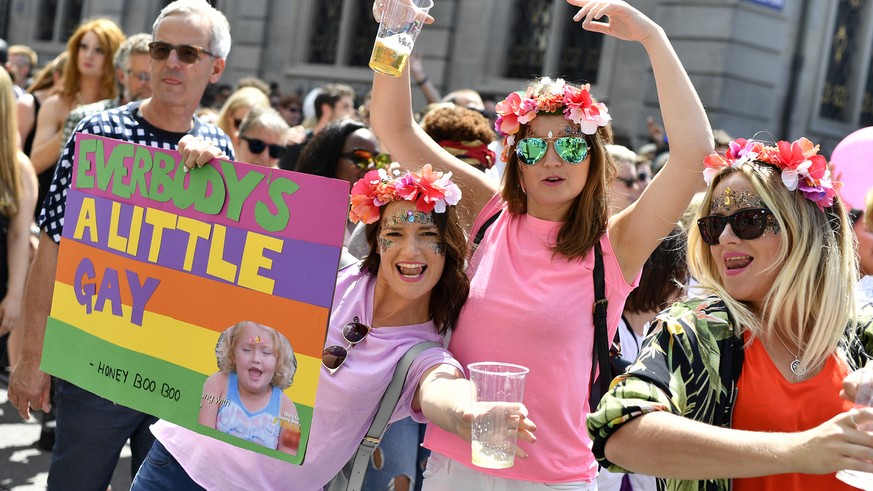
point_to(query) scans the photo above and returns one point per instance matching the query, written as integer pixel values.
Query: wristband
(422, 81)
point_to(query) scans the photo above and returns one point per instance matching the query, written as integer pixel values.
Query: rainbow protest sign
(155, 264)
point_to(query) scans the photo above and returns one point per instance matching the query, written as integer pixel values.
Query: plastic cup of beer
(398, 28)
(495, 428)
(863, 398)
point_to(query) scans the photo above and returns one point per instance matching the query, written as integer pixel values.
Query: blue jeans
(161, 471)
(90, 434)
(401, 454)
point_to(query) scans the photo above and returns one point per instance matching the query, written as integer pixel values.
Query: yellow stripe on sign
(183, 344)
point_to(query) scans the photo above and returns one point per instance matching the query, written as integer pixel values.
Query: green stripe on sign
(139, 381)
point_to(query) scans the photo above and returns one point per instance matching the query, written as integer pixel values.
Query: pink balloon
(852, 162)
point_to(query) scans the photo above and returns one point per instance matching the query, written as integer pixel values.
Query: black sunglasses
(160, 50)
(257, 146)
(335, 355)
(747, 224)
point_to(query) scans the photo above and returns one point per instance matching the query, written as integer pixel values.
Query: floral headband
(549, 96)
(430, 190)
(802, 168)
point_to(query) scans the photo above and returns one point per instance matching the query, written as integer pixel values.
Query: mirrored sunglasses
(366, 160)
(335, 355)
(748, 224)
(257, 146)
(571, 149)
(159, 50)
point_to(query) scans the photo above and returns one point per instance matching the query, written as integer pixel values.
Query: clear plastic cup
(495, 428)
(863, 398)
(398, 29)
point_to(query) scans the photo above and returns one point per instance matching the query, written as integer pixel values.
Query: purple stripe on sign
(289, 204)
(301, 271)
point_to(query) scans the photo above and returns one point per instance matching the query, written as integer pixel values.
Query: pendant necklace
(796, 369)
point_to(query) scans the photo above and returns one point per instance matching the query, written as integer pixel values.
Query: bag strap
(480, 234)
(601, 334)
(356, 468)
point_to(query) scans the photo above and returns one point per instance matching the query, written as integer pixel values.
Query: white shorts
(444, 474)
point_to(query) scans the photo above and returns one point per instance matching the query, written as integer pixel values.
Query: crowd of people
(731, 270)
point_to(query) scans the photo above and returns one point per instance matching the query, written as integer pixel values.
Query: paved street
(23, 467)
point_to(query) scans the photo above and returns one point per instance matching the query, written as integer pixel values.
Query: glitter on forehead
(409, 216)
(731, 200)
(571, 129)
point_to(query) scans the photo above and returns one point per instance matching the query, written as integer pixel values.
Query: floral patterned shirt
(689, 365)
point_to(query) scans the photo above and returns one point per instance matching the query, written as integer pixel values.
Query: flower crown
(430, 190)
(802, 168)
(549, 96)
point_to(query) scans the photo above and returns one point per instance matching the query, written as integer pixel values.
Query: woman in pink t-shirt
(531, 291)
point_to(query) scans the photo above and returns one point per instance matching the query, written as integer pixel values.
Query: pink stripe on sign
(272, 201)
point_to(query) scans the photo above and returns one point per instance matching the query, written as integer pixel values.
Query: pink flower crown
(802, 168)
(549, 96)
(430, 190)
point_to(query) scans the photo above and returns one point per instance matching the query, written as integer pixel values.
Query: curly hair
(286, 361)
(450, 122)
(450, 293)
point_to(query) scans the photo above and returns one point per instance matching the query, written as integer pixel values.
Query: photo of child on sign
(245, 397)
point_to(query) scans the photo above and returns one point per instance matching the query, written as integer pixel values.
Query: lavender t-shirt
(345, 404)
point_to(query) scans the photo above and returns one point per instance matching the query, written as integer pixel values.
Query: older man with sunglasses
(190, 42)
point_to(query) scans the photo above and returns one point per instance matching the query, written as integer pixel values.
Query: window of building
(338, 36)
(546, 40)
(847, 92)
(58, 19)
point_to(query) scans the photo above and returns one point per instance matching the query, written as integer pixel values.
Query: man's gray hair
(134, 45)
(219, 43)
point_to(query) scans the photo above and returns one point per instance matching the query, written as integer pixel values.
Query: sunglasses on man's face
(571, 149)
(257, 146)
(367, 160)
(159, 50)
(335, 355)
(748, 224)
(630, 181)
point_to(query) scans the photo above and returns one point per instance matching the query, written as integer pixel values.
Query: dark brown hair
(664, 274)
(586, 222)
(450, 292)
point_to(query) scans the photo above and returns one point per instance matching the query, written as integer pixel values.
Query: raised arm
(391, 118)
(670, 446)
(637, 230)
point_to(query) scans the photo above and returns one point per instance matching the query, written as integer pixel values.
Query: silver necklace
(796, 369)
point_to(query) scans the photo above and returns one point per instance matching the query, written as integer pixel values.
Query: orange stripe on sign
(210, 304)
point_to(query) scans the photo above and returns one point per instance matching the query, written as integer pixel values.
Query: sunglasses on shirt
(571, 149)
(160, 50)
(257, 146)
(335, 355)
(366, 160)
(748, 224)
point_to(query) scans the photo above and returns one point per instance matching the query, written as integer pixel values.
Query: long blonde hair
(10, 174)
(812, 300)
(110, 37)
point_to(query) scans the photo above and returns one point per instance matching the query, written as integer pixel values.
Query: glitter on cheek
(385, 245)
(437, 246)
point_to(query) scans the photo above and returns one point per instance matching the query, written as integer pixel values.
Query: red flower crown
(430, 190)
(802, 168)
